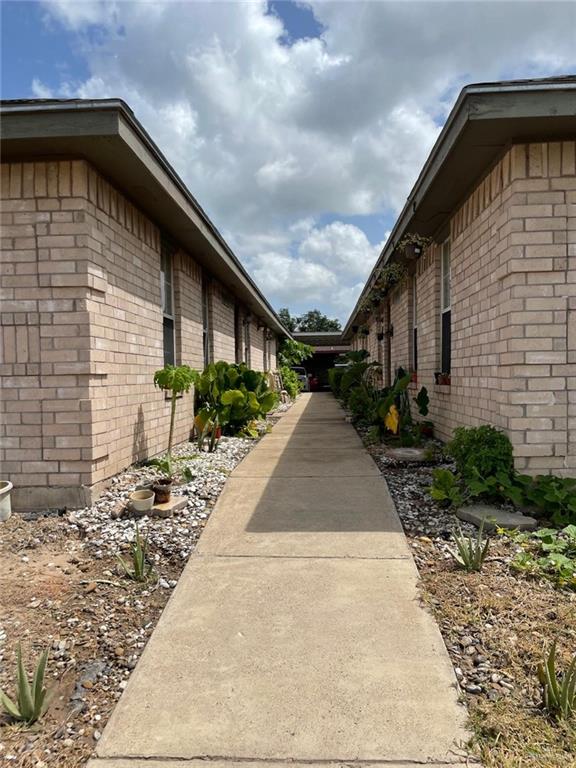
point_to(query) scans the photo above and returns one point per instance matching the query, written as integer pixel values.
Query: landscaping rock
(494, 517)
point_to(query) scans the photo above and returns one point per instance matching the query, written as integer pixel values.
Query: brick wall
(223, 337)
(513, 301)
(82, 333)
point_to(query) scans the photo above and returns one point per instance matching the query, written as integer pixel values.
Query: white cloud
(273, 139)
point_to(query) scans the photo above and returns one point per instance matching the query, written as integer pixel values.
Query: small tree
(176, 380)
(294, 352)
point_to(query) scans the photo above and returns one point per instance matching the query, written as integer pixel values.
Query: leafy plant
(484, 449)
(31, 700)
(231, 396)
(293, 352)
(470, 551)
(549, 554)
(396, 397)
(140, 569)
(291, 382)
(554, 497)
(165, 465)
(422, 400)
(446, 488)
(558, 688)
(177, 380)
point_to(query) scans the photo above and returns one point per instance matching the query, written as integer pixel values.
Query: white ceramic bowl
(5, 506)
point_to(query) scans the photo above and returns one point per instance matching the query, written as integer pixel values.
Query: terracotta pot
(162, 490)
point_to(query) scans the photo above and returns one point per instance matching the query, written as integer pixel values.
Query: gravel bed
(61, 588)
(495, 625)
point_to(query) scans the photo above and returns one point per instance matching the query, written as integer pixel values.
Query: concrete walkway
(295, 633)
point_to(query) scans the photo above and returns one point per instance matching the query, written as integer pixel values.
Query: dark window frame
(167, 302)
(445, 308)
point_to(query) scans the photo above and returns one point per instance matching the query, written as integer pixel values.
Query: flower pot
(5, 506)
(162, 489)
(426, 429)
(412, 251)
(142, 501)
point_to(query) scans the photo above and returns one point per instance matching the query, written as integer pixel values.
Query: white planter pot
(142, 501)
(5, 508)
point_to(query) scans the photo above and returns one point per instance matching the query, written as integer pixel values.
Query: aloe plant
(470, 552)
(31, 700)
(558, 689)
(140, 569)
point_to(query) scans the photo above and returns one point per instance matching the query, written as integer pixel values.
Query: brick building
(491, 302)
(110, 269)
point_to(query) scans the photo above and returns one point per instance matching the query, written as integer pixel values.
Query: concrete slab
(493, 517)
(291, 659)
(295, 632)
(349, 517)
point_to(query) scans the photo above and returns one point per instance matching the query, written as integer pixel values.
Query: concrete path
(295, 633)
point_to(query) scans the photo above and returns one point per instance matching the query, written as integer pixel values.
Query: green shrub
(483, 450)
(231, 396)
(335, 380)
(291, 382)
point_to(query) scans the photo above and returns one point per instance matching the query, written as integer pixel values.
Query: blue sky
(300, 127)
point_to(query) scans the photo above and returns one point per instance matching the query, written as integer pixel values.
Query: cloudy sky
(299, 126)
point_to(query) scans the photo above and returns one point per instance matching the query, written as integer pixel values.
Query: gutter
(122, 108)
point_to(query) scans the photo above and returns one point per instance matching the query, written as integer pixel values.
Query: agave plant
(470, 551)
(558, 689)
(140, 569)
(31, 700)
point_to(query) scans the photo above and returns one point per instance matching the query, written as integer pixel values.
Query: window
(446, 315)
(206, 330)
(167, 300)
(414, 325)
(247, 356)
(237, 334)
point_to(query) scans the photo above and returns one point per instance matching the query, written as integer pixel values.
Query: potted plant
(5, 505)
(413, 245)
(441, 378)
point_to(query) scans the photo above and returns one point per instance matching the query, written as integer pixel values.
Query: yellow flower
(392, 420)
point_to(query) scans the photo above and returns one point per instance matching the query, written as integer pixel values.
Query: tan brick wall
(513, 299)
(223, 337)
(82, 331)
(256, 346)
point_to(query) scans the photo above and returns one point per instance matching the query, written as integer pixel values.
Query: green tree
(294, 352)
(287, 320)
(176, 380)
(314, 320)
